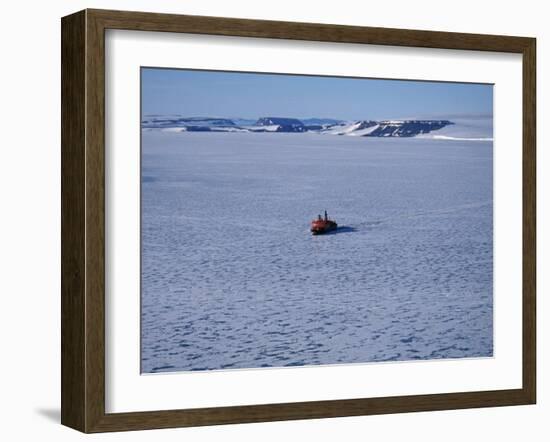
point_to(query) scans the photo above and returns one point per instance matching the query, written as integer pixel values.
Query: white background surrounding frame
(30, 221)
(127, 390)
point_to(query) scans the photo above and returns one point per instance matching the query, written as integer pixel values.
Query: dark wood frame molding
(83, 217)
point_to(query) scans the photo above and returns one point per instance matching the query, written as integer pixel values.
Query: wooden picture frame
(83, 220)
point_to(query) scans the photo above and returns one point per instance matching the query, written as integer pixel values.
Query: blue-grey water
(232, 278)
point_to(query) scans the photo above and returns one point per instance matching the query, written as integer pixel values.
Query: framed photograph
(267, 221)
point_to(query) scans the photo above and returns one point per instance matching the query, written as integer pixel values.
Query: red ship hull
(321, 226)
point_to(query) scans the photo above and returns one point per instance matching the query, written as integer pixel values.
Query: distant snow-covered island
(360, 128)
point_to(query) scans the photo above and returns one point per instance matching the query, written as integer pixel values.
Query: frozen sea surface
(232, 278)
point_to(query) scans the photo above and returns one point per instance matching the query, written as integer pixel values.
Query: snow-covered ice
(232, 278)
(476, 128)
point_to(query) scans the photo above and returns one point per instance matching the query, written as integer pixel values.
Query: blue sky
(247, 95)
